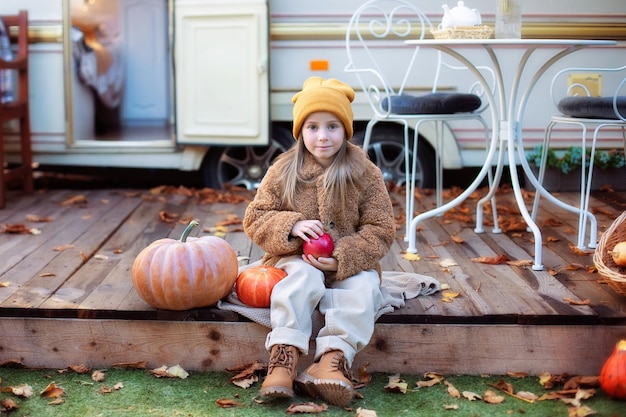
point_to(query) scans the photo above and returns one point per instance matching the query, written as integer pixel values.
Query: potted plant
(563, 167)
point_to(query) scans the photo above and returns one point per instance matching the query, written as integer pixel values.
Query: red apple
(321, 247)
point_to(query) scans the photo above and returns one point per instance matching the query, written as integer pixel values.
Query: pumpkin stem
(192, 224)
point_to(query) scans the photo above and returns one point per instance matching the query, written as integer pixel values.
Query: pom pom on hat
(319, 94)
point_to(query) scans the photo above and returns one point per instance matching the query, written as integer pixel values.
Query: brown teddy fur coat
(362, 235)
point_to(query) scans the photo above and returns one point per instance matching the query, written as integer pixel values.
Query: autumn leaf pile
(570, 390)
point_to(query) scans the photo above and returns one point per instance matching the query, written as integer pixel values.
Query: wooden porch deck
(66, 296)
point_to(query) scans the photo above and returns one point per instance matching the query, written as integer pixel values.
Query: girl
(323, 183)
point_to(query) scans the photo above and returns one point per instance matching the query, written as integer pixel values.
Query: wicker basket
(602, 258)
(463, 32)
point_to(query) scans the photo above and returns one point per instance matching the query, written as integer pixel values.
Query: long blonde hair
(338, 177)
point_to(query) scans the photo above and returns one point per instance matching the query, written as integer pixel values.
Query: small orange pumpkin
(613, 373)
(188, 273)
(254, 285)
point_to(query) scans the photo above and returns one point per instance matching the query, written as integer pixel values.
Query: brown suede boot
(281, 372)
(329, 379)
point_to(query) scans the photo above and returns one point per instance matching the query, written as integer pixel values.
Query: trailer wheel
(386, 150)
(243, 166)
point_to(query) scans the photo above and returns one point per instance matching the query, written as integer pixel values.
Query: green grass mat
(142, 394)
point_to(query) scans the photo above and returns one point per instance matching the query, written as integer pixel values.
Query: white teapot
(459, 16)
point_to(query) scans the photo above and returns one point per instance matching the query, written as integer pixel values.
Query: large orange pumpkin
(188, 273)
(613, 373)
(254, 285)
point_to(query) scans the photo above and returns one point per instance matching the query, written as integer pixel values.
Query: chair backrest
(10, 61)
(376, 24)
(384, 65)
(573, 96)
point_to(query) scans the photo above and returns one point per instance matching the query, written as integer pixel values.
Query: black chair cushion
(433, 103)
(591, 107)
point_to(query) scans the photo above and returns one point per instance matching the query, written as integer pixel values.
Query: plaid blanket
(6, 76)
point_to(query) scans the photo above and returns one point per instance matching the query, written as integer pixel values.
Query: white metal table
(508, 110)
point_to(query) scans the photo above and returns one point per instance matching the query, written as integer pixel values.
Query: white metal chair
(579, 107)
(378, 25)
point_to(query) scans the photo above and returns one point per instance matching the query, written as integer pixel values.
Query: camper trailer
(207, 84)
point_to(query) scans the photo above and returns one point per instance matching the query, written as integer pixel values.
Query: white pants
(348, 306)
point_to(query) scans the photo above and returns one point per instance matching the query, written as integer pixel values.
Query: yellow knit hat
(319, 94)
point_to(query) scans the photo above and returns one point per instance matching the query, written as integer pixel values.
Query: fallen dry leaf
(8, 405)
(411, 256)
(363, 412)
(307, 408)
(362, 375)
(491, 397)
(23, 390)
(578, 381)
(527, 395)
(5, 284)
(396, 385)
(245, 382)
(448, 262)
(521, 262)
(105, 390)
(227, 403)
(79, 369)
(15, 229)
(37, 219)
(428, 383)
(503, 386)
(175, 371)
(62, 248)
(451, 407)
(246, 375)
(549, 381)
(576, 302)
(77, 199)
(498, 260)
(583, 411)
(168, 217)
(449, 296)
(57, 401)
(52, 391)
(452, 391)
(472, 396)
(230, 220)
(575, 267)
(457, 239)
(216, 229)
(98, 376)
(508, 389)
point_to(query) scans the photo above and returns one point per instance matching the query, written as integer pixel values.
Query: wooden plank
(15, 247)
(44, 269)
(433, 242)
(20, 204)
(503, 294)
(394, 348)
(144, 226)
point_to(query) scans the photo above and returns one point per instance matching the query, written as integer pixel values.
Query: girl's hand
(323, 264)
(308, 229)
